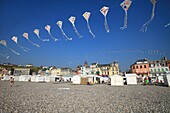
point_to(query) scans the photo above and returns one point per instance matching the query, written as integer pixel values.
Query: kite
(72, 20)
(26, 36)
(167, 25)
(3, 42)
(15, 39)
(48, 28)
(144, 27)
(60, 23)
(37, 32)
(86, 15)
(104, 11)
(125, 5)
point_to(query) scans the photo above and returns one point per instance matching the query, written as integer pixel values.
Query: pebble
(48, 97)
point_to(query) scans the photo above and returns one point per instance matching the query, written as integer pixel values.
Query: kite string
(90, 29)
(78, 34)
(106, 25)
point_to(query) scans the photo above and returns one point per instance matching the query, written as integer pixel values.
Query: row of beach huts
(115, 80)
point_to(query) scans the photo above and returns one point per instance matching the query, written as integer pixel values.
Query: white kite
(15, 39)
(60, 23)
(72, 19)
(3, 42)
(104, 11)
(48, 28)
(37, 32)
(86, 15)
(26, 36)
(167, 25)
(144, 27)
(125, 5)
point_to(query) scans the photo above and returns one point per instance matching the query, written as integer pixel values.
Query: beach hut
(6, 77)
(84, 80)
(16, 78)
(76, 79)
(40, 79)
(93, 79)
(33, 78)
(117, 80)
(25, 78)
(131, 79)
(104, 79)
(166, 78)
(67, 78)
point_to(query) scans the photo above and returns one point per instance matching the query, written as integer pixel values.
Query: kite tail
(4, 55)
(65, 34)
(144, 27)
(78, 34)
(106, 25)
(55, 39)
(90, 30)
(22, 47)
(44, 40)
(125, 21)
(167, 25)
(14, 51)
(34, 43)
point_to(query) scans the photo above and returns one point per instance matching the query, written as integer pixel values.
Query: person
(12, 81)
(150, 80)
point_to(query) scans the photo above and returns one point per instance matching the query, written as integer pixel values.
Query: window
(137, 67)
(133, 67)
(151, 70)
(155, 70)
(163, 70)
(140, 66)
(159, 70)
(166, 69)
(144, 66)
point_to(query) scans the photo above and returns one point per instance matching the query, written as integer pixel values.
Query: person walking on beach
(12, 81)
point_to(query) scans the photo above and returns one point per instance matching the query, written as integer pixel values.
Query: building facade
(21, 71)
(158, 67)
(101, 69)
(141, 68)
(66, 71)
(168, 64)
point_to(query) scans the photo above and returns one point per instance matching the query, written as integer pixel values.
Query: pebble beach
(29, 97)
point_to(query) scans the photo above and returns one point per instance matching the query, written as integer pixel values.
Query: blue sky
(19, 16)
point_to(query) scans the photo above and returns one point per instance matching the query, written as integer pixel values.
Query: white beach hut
(33, 78)
(16, 78)
(131, 79)
(25, 78)
(67, 78)
(6, 77)
(166, 78)
(116, 80)
(76, 79)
